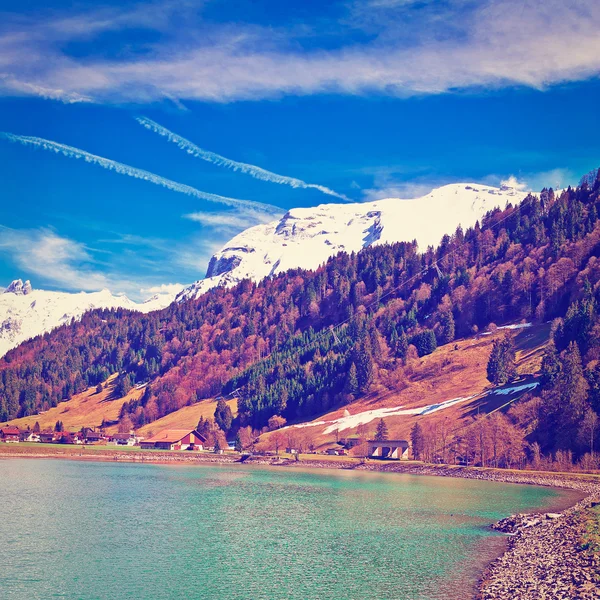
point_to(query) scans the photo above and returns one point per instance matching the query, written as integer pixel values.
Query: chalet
(175, 439)
(91, 436)
(10, 434)
(390, 449)
(123, 439)
(47, 437)
(29, 436)
(68, 437)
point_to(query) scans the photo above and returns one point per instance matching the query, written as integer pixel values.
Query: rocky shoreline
(545, 556)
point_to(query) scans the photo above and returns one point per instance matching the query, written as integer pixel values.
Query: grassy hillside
(89, 408)
(186, 417)
(454, 371)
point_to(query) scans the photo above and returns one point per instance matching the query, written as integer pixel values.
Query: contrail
(123, 169)
(217, 159)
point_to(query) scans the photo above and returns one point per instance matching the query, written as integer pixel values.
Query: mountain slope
(307, 237)
(445, 389)
(26, 313)
(271, 343)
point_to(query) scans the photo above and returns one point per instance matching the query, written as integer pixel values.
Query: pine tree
(223, 415)
(501, 366)
(565, 404)
(382, 431)
(402, 344)
(448, 328)
(394, 339)
(238, 443)
(364, 365)
(36, 427)
(351, 386)
(424, 342)
(417, 441)
(551, 366)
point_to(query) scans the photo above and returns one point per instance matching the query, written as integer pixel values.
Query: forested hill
(536, 261)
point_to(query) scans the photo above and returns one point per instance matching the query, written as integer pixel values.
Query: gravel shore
(545, 556)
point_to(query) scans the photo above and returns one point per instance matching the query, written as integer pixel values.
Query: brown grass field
(86, 409)
(456, 370)
(185, 418)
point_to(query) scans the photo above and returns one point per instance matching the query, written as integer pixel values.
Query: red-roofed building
(10, 434)
(175, 439)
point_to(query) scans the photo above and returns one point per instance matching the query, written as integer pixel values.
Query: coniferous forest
(303, 342)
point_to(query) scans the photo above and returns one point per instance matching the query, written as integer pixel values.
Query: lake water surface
(98, 530)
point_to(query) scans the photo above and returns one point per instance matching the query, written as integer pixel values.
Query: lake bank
(543, 555)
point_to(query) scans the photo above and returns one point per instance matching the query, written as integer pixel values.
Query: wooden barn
(175, 439)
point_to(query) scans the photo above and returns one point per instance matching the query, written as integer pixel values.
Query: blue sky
(368, 99)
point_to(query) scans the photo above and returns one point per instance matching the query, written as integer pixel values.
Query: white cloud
(513, 182)
(122, 169)
(493, 43)
(534, 182)
(405, 190)
(229, 220)
(164, 288)
(57, 260)
(63, 263)
(217, 159)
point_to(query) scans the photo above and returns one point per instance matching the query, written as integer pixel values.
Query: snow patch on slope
(26, 313)
(307, 237)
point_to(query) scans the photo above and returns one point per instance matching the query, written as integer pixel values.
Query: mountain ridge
(26, 312)
(307, 237)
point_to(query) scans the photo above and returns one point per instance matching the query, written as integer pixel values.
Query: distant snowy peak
(19, 288)
(307, 237)
(26, 313)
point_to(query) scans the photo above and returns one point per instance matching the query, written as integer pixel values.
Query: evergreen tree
(550, 366)
(238, 443)
(204, 427)
(351, 386)
(223, 415)
(381, 433)
(447, 328)
(394, 339)
(123, 386)
(364, 365)
(417, 441)
(424, 342)
(402, 344)
(36, 427)
(565, 404)
(501, 366)
(58, 426)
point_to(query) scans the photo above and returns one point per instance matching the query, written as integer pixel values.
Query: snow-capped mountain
(307, 237)
(25, 312)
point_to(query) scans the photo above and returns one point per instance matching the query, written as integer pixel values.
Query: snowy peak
(307, 237)
(19, 288)
(26, 313)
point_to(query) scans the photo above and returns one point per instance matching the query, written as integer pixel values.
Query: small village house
(123, 439)
(91, 436)
(10, 434)
(27, 435)
(175, 439)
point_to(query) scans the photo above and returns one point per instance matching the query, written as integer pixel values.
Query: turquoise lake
(98, 530)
